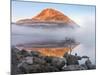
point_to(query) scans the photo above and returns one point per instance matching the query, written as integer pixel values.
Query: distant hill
(48, 15)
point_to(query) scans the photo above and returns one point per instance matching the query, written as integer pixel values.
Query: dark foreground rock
(72, 59)
(89, 64)
(58, 62)
(73, 68)
(36, 68)
(55, 61)
(24, 62)
(14, 61)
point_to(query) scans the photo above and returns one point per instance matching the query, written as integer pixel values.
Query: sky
(26, 9)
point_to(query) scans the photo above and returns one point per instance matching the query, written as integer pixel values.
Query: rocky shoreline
(24, 62)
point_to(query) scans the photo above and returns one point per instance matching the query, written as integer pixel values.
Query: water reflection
(86, 37)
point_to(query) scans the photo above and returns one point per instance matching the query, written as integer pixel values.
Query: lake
(37, 35)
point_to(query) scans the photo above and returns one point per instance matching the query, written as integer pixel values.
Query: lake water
(86, 37)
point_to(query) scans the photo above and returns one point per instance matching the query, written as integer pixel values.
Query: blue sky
(22, 9)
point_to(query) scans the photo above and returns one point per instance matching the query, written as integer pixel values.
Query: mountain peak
(50, 14)
(49, 9)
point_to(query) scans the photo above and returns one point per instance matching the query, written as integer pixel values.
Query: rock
(24, 53)
(29, 60)
(37, 60)
(85, 57)
(49, 68)
(25, 62)
(55, 61)
(21, 55)
(14, 60)
(15, 50)
(89, 64)
(48, 59)
(73, 68)
(58, 62)
(35, 53)
(78, 57)
(22, 68)
(25, 68)
(71, 59)
(83, 65)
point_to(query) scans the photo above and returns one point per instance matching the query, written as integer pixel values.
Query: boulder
(55, 61)
(73, 68)
(48, 59)
(89, 64)
(49, 68)
(28, 60)
(71, 59)
(58, 62)
(37, 60)
(83, 65)
(35, 53)
(85, 57)
(14, 60)
(24, 53)
(25, 68)
(15, 50)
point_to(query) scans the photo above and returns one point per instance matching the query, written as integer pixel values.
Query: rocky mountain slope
(48, 15)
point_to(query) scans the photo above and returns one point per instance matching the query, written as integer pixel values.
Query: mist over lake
(85, 35)
(29, 34)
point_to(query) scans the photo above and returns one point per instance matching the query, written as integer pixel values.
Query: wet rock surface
(24, 62)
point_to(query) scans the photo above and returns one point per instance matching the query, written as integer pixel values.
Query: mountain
(48, 15)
